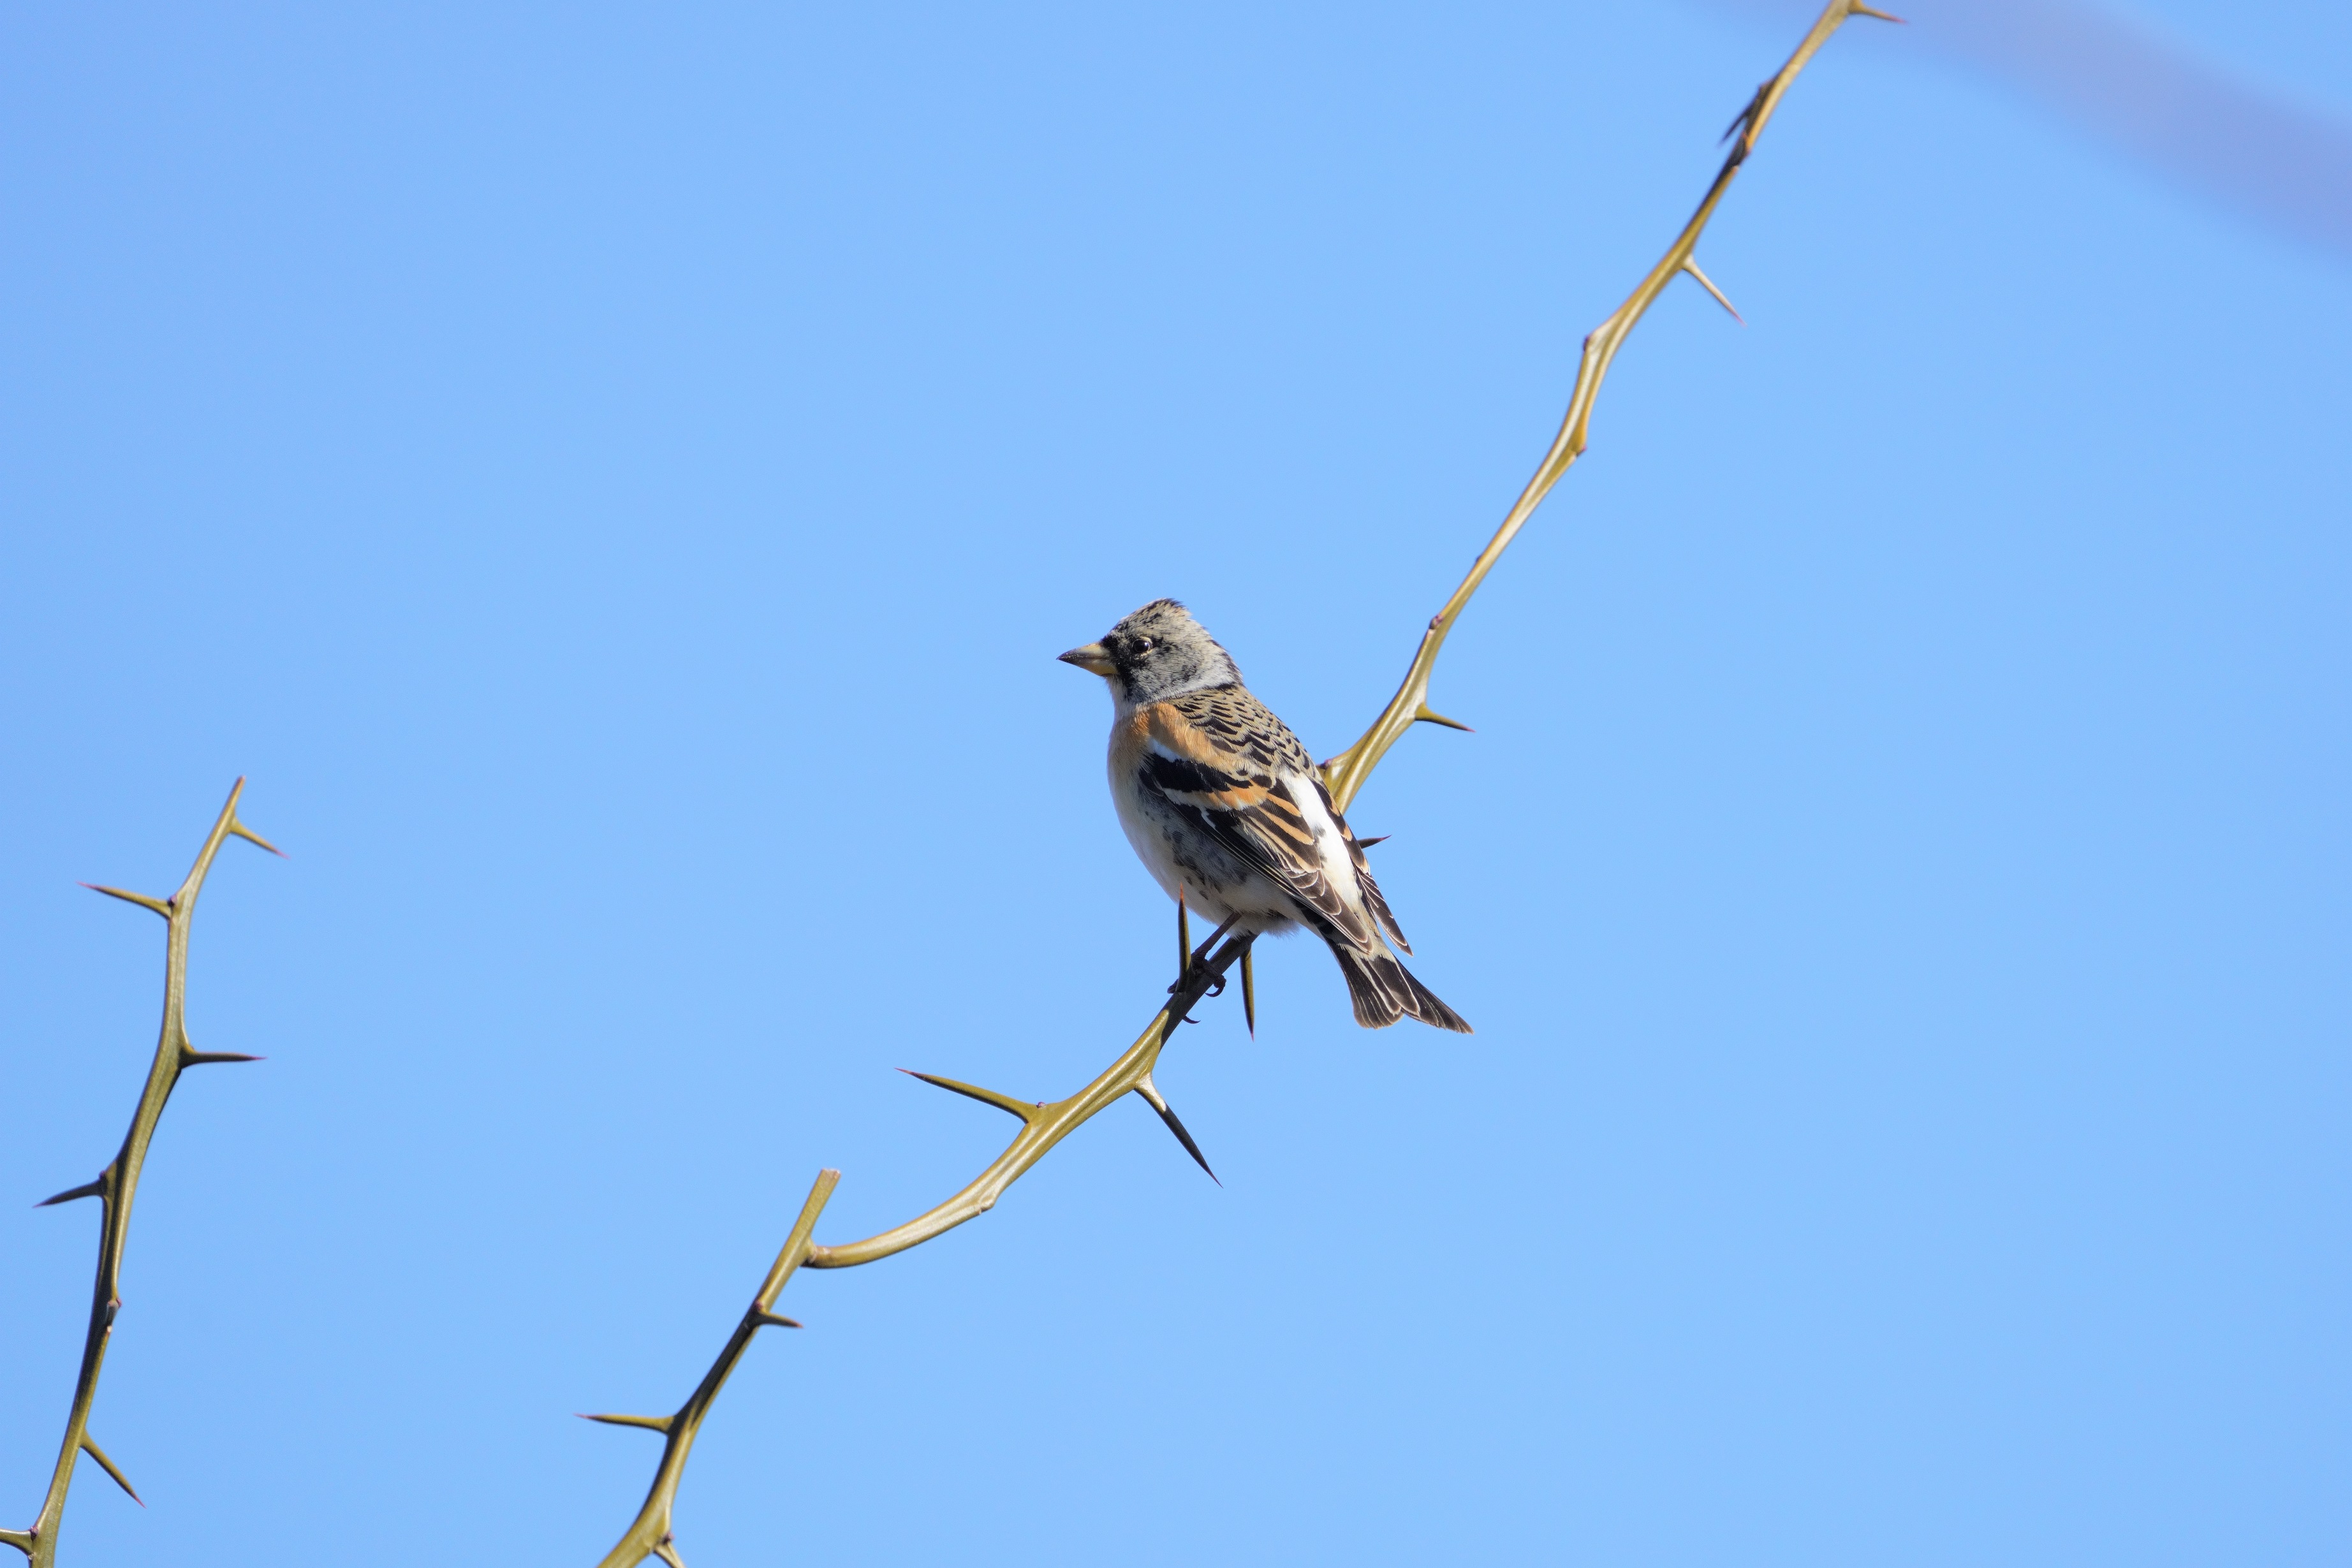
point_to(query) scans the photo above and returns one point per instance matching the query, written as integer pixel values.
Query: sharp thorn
(1691, 266)
(88, 1189)
(771, 1320)
(1249, 994)
(1183, 936)
(89, 1446)
(1423, 716)
(1150, 1093)
(1744, 119)
(161, 907)
(650, 1423)
(1005, 1102)
(1190, 1147)
(250, 837)
(1860, 10)
(1367, 843)
(204, 1058)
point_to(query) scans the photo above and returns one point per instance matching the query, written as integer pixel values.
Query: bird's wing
(1237, 791)
(1373, 898)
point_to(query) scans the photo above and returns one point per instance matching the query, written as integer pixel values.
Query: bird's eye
(1143, 644)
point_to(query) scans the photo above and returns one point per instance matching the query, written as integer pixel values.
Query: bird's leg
(1200, 956)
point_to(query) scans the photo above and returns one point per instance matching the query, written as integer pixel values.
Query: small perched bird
(1230, 816)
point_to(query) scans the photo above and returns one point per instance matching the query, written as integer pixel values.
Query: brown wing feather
(1229, 785)
(1229, 766)
(1233, 715)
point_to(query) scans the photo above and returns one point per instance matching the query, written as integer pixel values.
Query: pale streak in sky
(2231, 141)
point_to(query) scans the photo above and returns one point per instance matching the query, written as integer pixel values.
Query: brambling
(1230, 816)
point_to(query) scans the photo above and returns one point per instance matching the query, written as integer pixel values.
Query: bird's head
(1159, 652)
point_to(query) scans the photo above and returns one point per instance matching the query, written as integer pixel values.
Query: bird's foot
(1217, 982)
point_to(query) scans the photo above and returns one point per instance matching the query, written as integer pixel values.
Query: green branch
(1045, 1124)
(115, 1186)
(649, 1534)
(1345, 774)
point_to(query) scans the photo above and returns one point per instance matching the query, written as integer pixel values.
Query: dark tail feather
(1421, 1002)
(1375, 1006)
(1385, 991)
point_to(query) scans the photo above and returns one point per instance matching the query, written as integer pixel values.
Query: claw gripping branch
(116, 1185)
(1201, 974)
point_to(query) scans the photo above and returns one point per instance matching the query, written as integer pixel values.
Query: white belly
(1215, 883)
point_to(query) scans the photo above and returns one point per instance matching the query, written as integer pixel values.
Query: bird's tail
(1385, 991)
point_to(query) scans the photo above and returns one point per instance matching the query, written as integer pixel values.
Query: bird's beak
(1093, 656)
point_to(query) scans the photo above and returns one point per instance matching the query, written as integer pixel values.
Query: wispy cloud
(2237, 143)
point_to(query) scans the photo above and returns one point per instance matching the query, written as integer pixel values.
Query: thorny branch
(119, 1182)
(649, 1535)
(1043, 1125)
(1346, 773)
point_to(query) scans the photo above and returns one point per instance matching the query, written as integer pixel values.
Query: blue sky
(614, 480)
